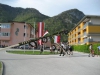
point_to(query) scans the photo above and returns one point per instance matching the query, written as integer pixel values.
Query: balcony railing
(79, 29)
(79, 42)
(84, 34)
(88, 40)
(79, 36)
(86, 24)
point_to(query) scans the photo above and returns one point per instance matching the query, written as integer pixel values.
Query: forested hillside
(66, 20)
(8, 13)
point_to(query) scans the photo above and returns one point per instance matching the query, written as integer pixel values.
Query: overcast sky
(55, 7)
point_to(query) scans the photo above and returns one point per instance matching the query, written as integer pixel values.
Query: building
(15, 32)
(87, 31)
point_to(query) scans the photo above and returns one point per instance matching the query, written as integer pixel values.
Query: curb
(1, 68)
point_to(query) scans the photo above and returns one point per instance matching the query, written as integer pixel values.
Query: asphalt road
(76, 64)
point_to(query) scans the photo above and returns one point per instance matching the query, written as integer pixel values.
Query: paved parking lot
(78, 64)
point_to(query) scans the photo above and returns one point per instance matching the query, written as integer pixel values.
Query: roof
(87, 16)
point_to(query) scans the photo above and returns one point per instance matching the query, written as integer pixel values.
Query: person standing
(98, 50)
(62, 51)
(71, 50)
(91, 50)
(41, 49)
(53, 48)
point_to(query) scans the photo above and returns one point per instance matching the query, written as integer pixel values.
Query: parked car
(25, 46)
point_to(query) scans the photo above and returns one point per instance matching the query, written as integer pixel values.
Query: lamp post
(33, 33)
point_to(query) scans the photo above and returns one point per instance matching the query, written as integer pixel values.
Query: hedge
(85, 48)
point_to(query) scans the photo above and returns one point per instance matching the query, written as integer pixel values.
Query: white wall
(95, 20)
(95, 38)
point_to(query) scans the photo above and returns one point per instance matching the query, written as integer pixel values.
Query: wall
(95, 20)
(17, 33)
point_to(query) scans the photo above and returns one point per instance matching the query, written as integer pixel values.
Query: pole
(24, 35)
(43, 48)
(33, 49)
(43, 33)
(34, 30)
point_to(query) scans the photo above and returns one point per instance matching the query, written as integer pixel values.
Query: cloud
(54, 7)
(46, 6)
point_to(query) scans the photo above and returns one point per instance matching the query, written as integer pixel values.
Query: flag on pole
(46, 32)
(57, 39)
(40, 31)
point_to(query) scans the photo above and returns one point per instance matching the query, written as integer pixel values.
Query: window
(0, 34)
(5, 25)
(24, 34)
(25, 26)
(4, 34)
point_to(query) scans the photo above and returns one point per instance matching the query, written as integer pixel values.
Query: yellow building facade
(87, 31)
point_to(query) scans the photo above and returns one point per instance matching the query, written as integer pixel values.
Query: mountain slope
(8, 13)
(65, 20)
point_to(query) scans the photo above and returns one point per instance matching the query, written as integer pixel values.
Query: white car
(25, 46)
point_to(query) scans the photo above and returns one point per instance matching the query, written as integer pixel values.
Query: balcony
(79, 29)
(79, 36)
(86, 24)
(85, 34)
(79, 42)
(88, 40)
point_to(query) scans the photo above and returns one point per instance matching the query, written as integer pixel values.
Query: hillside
(65, 20)
(8, 13)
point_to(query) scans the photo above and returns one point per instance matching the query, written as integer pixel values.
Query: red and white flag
(46, 32)
(57, 39)
(40, 31)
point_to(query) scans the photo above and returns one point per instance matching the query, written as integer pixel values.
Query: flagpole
(43, 33)
(24, 35)
(34, 30)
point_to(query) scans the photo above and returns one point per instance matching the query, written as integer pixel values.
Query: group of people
(65, 48)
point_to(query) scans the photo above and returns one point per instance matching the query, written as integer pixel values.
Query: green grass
(32, 53)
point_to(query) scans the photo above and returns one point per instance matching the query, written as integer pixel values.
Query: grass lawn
(32, 53)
